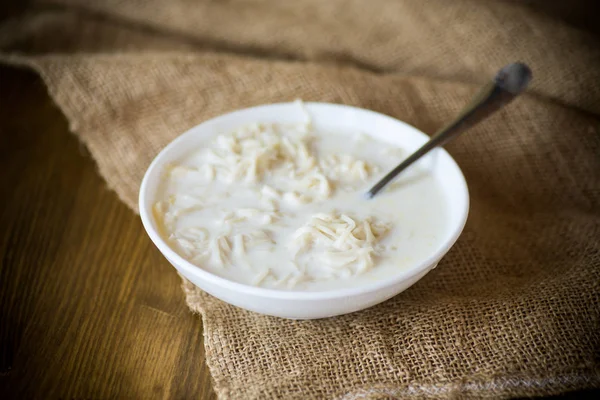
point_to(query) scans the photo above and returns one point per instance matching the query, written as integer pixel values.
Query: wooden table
(89, 308)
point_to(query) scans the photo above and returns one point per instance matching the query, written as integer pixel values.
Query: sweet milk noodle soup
(282, 207)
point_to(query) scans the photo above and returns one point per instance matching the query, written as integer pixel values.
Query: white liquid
(197, 205)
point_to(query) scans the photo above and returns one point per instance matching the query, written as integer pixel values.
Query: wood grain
(89, 308)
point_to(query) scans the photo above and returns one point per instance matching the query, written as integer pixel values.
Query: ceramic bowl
(312, 304)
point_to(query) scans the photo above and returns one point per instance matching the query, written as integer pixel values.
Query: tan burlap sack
(513, 310)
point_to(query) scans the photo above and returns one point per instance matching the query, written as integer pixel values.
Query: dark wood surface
(89, 308)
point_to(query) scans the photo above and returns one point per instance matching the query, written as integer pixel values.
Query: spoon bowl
(509, 82)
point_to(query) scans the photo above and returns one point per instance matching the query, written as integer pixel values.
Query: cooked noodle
(282, 174)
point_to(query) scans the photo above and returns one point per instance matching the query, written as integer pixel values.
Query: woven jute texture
(512, 310)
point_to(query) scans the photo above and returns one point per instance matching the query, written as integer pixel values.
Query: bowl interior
(324, 117)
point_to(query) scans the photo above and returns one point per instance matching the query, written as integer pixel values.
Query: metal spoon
(509, 82)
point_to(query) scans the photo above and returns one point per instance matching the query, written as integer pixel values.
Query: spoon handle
(508, 84)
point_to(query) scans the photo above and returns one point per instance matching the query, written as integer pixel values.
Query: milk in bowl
(281, 206)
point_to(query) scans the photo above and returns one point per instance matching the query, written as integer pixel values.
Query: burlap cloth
(513, 310)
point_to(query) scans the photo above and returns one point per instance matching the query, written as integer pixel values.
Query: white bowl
(315, 304)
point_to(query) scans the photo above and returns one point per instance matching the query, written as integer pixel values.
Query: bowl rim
(187, 267)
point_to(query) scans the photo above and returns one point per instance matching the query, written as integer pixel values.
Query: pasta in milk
(280, 206)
